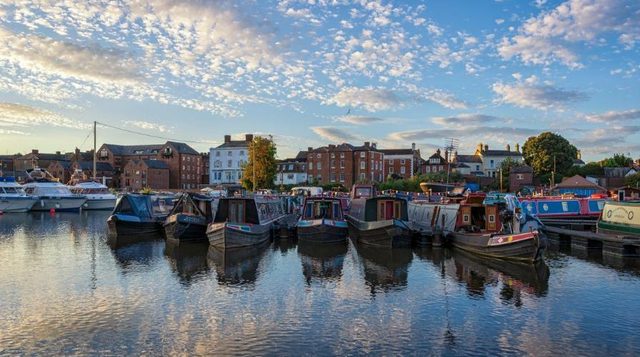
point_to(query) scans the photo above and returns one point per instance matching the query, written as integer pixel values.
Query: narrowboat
(378, 220)
(620, 218)
(50, 193)
(244, 221)
(138, 215)
(322, 221)
(13, 198)
(559, 209)
(189, 218)
(497, 228)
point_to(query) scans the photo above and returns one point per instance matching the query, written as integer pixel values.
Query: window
(319, 156)
(519, 177)
(319, 166)
(241, 152)
(492, 164)
(332, 177)
(390, 162)
(477, 167)
(229, 163)
(401, 162)
(362, 165)
(311, 166)
(342, 177)
(183, 167)
(217, 153)
(333, 164)
(362, 176)
(290, 167)
(333, 156)
(362, 154)
(342, 164)
(230, 153)
(402, 170)
(390, 169)
(371, 167)
(342, 155)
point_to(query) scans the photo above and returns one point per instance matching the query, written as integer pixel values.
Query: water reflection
(188, 260)
(384, 269)
(11, 224)
(132, 257)
(513, 278)
(284, 245)
(322, 262)
(237, 266)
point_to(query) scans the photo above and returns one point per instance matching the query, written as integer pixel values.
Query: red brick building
(204, 168)
(184, 163)
(436, 163)
(519, 177)
(345, 164)
(139, 174)
(402, 163)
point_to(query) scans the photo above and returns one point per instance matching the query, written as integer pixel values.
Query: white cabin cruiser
(13, 198)
(51, 193)
(98, 195)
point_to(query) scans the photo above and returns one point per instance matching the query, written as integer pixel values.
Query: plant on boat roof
(146, 191)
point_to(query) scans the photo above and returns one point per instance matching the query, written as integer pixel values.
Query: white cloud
(615, 116)
(532, 95)
(19, 115)
(370, 99)
(333, 134)
(464, 119)
(359, 120)
(496, 134)
(546, 38)
(148, 125)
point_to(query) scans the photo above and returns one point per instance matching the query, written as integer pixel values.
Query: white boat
(98, 195)
(51, 193)
(13, 198)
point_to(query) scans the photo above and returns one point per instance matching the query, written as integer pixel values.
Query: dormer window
(104, 153)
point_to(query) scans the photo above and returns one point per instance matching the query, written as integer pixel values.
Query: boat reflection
(322, 261)
(384, 268)
(514, 278)
(284, 245)
(11, 223)
(237, 266)
(187, 260)
(122, 240)
(132, 257)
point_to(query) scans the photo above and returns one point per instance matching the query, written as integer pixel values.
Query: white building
(226, 161)
(485, 162)
(291, 172)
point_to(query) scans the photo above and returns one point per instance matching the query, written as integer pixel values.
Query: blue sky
(312, 72)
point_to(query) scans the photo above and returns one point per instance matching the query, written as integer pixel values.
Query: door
(492, 218)
(620, 195)
(388, 210)
(236, 211)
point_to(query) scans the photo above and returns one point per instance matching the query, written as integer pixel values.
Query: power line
(151, 135)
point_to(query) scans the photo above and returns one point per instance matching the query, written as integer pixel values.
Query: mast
(253, 158)
(94, 150)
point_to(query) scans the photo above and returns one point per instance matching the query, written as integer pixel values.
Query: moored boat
(50, 193)
(497, 228)
(98, 195)
(138, 215)
(322, 221)
(560, 209)
(13, 198)
(189, 218)
(378, 220)
(244, 221)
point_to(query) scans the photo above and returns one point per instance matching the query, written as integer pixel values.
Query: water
(65, 291)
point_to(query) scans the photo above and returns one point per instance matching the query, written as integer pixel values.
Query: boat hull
(186, 228)
(232, 236)
(388, 233)
(322, 231)
(61, 204)
(16, 204)
(99, 204)
(526, 246)
(125, 228)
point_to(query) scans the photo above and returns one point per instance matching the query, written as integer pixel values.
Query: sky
(314, 72)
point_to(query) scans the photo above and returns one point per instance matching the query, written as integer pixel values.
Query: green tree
(262, 154)
(590, 169)
(617, 160)
(540, 151)
(633, 180)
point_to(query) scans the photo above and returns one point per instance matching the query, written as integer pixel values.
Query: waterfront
(65, 291)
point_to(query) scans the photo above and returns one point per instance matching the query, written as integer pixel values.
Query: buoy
(52, 211)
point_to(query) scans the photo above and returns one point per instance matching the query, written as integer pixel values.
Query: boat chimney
(227, 138)
(248, 137)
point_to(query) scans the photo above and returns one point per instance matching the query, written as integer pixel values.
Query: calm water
(65, 291)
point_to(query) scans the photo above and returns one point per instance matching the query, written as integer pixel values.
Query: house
(467, 164)
(291, 171)
(204, 170)
(184, 163)
(492, 159)
(579, 186)
(402, 163)
(7, 165)
(436, 163)
(520, 177)
(345, 164)
(627, 193)
(140, 174)
(227, 160)
(615, 176)
(36, 159)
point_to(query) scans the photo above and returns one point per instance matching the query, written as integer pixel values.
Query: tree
(633, 180)
(539, 153)
(262, 154)
(590, 169)
(618, 160)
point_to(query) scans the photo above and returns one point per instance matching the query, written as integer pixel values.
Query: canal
(63, 290)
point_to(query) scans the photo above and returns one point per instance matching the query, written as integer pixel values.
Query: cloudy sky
(312, 72)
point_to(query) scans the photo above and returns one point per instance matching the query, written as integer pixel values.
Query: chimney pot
(367, 144)
(249, 137)
(486, 147)
(227, 138)
(413, 146)
(309, 149)
(374, 145)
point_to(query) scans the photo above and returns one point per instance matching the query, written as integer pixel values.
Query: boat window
(29, 190)
(362, 192)
(465, 218)
(125, 207)
(337, 212)
(492, 218)
(236, 211)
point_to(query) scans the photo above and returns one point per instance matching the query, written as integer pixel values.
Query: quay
(616, 245)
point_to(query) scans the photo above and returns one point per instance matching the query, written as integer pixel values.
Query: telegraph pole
(94, 149)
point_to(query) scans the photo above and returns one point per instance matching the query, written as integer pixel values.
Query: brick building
(204, 169)
(139, 174)
(184, 163)
(402, 163)
(7, 167)
(36, 159)
(436, 163)
(519, 177)
(345, 164)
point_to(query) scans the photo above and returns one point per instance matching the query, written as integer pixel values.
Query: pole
(94, 150)
(553, 173)
(253, 158)
(500, 179)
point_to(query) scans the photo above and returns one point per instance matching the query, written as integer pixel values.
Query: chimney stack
(227, 138)
(57, 152)
(413, 146)
(446, 155)
(517, 147)
(486, 147)
(374, 145)
(248, 137)
(366, 143)
(479, 148)
(579, 155)
(34, 151)
(309, 149)
(508, 147)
